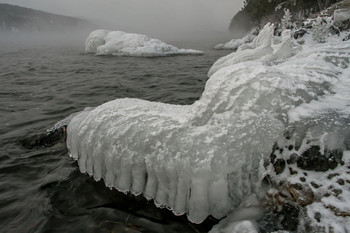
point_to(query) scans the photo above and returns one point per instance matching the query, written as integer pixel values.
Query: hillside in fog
(256, 13)
(15, 18)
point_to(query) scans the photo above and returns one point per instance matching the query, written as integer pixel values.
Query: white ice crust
(118, 43)
(236, 43)
(341, 15)
(203, 159)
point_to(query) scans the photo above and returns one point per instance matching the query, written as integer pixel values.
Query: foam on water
(203, 159)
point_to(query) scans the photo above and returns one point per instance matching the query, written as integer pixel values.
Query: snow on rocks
(235, 43)
(260, 49)
(118, 43)
(319, 194)
(342, 18)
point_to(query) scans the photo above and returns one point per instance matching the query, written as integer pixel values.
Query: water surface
(41, 189)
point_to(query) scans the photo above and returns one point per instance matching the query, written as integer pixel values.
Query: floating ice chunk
(118, 43)
(204, 159)
(95, 39)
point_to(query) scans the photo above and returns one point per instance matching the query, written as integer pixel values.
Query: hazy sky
(170, 16)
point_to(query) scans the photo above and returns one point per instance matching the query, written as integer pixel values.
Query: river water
(41, 188)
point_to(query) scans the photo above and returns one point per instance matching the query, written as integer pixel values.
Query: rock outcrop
(256, 13)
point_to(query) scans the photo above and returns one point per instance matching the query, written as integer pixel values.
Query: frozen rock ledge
(205, 159)
(118, 43)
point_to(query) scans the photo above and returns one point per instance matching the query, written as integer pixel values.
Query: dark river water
(41, 188)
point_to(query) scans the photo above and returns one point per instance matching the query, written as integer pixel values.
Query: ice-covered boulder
(342, 18)
(235, 43)
(118, 43)
(259, 48)
(204, 159)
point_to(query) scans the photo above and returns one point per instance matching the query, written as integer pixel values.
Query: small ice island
(118, 43)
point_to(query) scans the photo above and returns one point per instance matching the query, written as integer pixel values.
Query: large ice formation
(118, 43)
(204, 159)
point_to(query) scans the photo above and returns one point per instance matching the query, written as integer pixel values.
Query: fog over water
(163, 19)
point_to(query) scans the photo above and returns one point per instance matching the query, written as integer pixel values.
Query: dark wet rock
(330, 176)
(281, 194)
(340, 182)
(286, 217)
(291, 147)
(347, 38)
(272, 155)
(315, 185)
(291, 218)
(297, 186)
(302, 194)
(266, 181)
(337, 192)
(318, 216)
(46, 139)
(288, 134)
(334, 30)
(292, 172)
(293, 158)
(273, 158)
(313, 160)
(300, 33)
(279, 166)
(338, 212)
(107, 210)
(302, 179)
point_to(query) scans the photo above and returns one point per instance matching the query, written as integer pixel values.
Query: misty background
(167, 20)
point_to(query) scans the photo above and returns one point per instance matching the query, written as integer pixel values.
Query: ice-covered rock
(235, 43)
(243, 219)
(118, 43)
(242, 226)
(261, 48)
(342, 18)
(204, 159)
